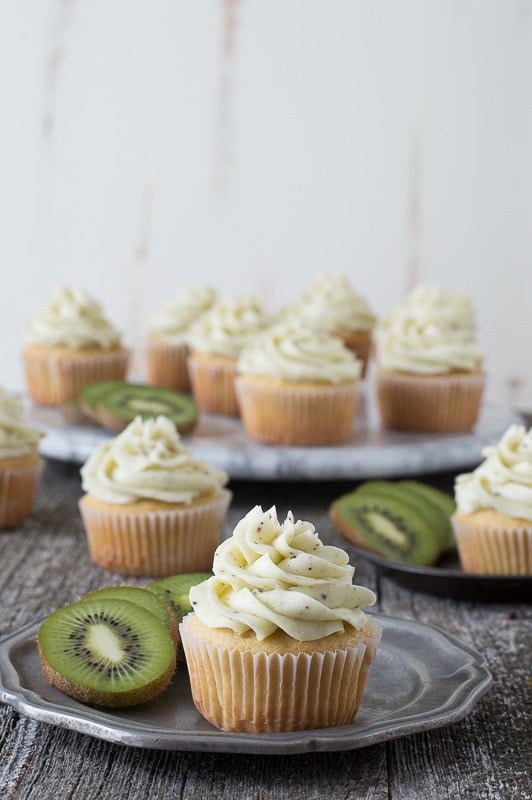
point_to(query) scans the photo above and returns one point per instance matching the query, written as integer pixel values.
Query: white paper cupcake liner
(493, 551)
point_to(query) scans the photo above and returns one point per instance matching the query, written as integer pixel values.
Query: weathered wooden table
(45, 564)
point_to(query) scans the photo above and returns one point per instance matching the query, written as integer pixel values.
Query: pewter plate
(422, 678)
(372, 452)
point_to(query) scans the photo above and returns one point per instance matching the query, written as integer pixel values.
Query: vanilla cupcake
(330, 305)
(151, 509)
(20, 464)
(298, 387)
(216, 341)
(493, 519)
(167, 349)
(70, 345)
(429, 375)
(278, 640)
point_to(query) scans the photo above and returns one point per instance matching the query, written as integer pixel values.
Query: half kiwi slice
(118, 406)
(142, 597)
(174, 590)
(439, 499)
(106, 652)
(388, 525)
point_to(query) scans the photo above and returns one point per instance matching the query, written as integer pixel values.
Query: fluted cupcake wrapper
(166, 365)
(440, 403)
(292, 415)
(213, 384)
(18, 488)
(493, 551)
(240, 690)
(155, 544)
(54, 377)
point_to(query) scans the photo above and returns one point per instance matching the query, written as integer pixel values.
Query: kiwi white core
(104, 642)
(387, 528)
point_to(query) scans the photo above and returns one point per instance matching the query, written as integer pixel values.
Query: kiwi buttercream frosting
(228, 326)
(72, 319)
(272, 576)
(17, 438)
(331, 304)
(148, 461)
(433, 332)
(503, 481)
(297, 353)
(176, 316)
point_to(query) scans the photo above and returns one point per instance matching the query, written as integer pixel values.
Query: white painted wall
(148, 146)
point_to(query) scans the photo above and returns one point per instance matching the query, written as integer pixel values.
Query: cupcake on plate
(216, 341)
(278, 639)
(430, 375)
(20, 464)
(331, 305)
(71, 344)
(167, 349)
(150, 508)
(298, 387)
(493, 520)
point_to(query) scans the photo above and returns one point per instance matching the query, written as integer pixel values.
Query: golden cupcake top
(331, 304)
(71, 318)
(432, 332)
(272, 576)
(148, 461)
(503, 482)
(297, 353)
(173, 321)
(228, 327)
(17, 438)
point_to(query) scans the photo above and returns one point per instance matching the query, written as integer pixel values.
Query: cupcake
(493, 519)
(150, 508)
(298, 387)
(429, 375)
(216, 341)
(330, 305)
(20, 465)
(277, 639)
(70, 345)
(167, 350)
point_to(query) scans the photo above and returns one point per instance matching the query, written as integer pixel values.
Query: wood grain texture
(45, 564)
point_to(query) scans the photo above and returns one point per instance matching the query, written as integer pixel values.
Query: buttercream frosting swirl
(72, 319)
(433, 332)
(503, 481)
(331, 304)
(148, 461)
(270, 576)
(173, 321)
(17, 438)
(228, 327)
(297, 353)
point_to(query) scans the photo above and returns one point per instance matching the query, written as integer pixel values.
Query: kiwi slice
(433, 514)
(386, 524)
(148, 600)
(441, 500)
(92, 393)
(175, 590)
(118, 406)
(106, 652)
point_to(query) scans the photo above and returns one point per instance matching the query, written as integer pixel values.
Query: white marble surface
(372, 451)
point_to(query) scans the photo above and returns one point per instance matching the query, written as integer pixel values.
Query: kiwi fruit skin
(174, 590)
(438, 498)
(142, 597)
(147, 402)
(58, 637)
(349, 512)
(433, 514)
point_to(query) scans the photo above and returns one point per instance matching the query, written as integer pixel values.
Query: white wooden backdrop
(148, 146)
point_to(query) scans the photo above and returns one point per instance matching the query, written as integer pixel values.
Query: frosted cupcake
(298, 387)
(71, 344)
(20, 464)
(330, 305)
(429, 375)
(151, 509)
(167, 350)
(493, 520)
(278, 639)
(216, 341)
